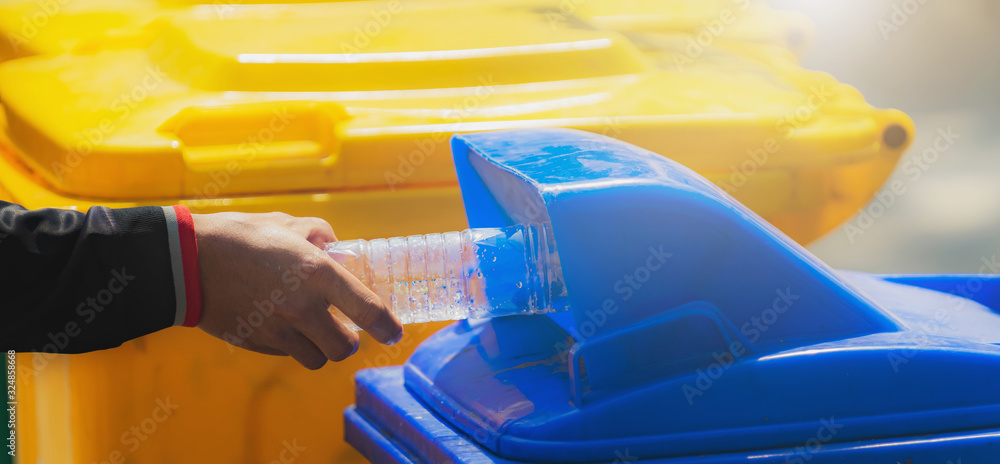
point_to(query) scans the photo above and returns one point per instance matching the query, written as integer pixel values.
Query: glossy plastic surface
(389, 426)
(41, 28)
(695, 328)
(206, 107)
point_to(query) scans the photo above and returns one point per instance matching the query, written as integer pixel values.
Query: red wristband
(184, 265)
(192, 273)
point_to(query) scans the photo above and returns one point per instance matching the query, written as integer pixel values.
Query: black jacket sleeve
(72, 282)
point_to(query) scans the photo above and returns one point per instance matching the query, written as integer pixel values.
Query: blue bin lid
(694, 326)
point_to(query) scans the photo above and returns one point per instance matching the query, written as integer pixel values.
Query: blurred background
(942, 67)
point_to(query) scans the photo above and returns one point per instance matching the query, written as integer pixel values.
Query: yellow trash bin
(291, 108)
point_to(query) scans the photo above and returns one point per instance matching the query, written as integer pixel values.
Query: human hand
(267, 285)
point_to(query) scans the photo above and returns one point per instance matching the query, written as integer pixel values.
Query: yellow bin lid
(363, 95)
(34, 27)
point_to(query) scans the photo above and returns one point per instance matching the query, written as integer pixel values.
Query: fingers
(300, 348)
(359, 303)
(250, 258)
(327, 333)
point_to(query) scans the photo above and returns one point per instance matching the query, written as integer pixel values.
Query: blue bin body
(697, 333)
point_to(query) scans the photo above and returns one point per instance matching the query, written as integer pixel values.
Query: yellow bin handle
(258, 135)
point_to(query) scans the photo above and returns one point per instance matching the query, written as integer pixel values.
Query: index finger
(343, 290)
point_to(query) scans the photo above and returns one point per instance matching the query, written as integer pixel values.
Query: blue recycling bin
(697, 333)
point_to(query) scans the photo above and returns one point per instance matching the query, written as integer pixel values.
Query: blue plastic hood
(695, 328)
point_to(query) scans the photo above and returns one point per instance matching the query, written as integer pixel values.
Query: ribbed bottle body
(476, 273)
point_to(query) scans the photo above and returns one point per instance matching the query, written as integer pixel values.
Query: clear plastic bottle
(475, 273)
